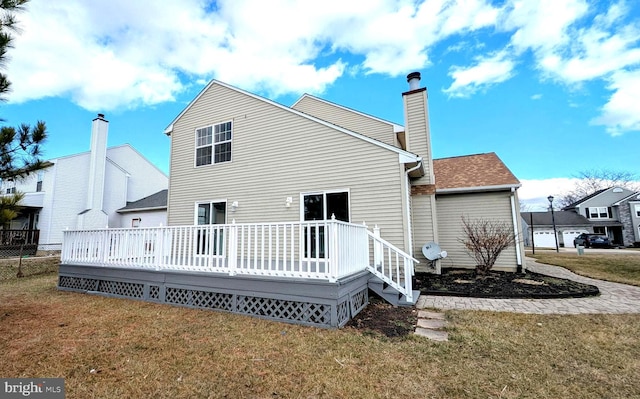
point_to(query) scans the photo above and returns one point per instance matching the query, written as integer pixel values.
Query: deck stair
(392, 272)
(390, 294)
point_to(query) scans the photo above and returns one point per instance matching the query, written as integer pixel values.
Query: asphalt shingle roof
(479, 170)
(157, 200)
(581, 200)
(563, 218)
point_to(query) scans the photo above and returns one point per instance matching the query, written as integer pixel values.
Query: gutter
(457, 190)
(515, 229)
(408, 202)
(152, 208)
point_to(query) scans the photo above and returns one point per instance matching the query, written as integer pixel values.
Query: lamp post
(553, 220)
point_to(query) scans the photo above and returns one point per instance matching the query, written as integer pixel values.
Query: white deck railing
(392, 265)
(326, 250)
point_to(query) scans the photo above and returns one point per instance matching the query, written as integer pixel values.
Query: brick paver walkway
(614, 298)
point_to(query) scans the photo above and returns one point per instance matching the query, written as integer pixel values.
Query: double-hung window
(600, 212)
(213, 144)
(637, 210)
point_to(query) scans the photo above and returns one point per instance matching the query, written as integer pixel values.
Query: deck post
(159, 248)
(333, 257)
(105, 246)
(377, 248)
(232, 257)
(408, 276)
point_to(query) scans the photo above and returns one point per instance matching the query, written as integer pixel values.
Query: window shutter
(587, 212)
(610, 213)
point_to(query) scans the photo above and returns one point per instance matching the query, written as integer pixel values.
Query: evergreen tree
(20, 149)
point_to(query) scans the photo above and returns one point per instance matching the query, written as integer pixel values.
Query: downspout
(408, 201)
(515, 230)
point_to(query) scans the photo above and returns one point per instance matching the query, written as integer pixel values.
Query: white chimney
(99, 130)
(94, 217)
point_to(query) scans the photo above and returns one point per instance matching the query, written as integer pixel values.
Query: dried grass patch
(619, 268)
(140, 349)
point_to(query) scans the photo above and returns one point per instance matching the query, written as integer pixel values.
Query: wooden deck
(312, 273)
(317, 303)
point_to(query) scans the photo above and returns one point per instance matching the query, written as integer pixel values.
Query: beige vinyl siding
(451, 208)
(277, 154)
(418, 133)
(347, 119)
(422, 224)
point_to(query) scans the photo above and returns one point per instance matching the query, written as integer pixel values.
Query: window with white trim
(213, 144)
(322, 206)
(599, 212)
(210, 241)
(211, 213)
(39, 182)
(638, 210)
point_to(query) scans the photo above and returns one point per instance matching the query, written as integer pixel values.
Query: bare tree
(524, 207)
(485, 239)
(593, 180)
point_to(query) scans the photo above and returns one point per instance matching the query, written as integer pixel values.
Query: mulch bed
(381, 319)
(495, 284)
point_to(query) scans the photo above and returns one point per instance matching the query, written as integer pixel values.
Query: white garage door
(568, 237)
(544, 239)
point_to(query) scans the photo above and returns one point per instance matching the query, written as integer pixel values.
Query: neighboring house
(610, 212)
(236, 155)
(84, 191)
(629, 213)
(538, 228)
(149, 211)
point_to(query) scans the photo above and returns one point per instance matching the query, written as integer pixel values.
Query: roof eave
(458, 190)
(152, 208)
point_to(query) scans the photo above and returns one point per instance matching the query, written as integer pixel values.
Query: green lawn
(141, 350)
(620, 268)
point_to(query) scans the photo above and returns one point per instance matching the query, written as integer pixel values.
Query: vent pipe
(414, 80)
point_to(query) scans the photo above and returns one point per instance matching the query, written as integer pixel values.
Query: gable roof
(157, 201)
(563, 218)
(396, 128)
(629, 198)
(404, 156)
(473, 173)
(580, 201)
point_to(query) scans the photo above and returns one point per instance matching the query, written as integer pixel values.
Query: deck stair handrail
(392, 265)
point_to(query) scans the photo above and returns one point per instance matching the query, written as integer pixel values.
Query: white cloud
(541, 25)
(622, 113)
(537, 96)
(485, 72)
(106, 54)
(534, 193)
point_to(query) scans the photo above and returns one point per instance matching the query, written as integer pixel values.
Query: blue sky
(551, 86)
